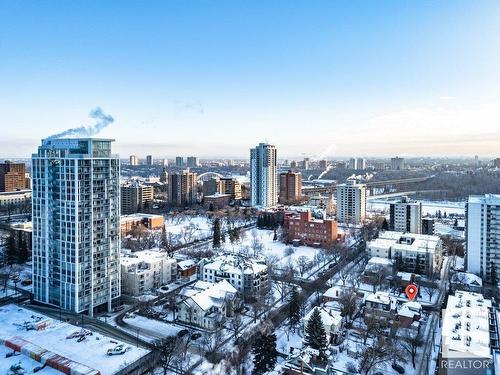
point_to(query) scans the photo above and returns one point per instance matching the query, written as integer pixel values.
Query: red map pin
(411, 291)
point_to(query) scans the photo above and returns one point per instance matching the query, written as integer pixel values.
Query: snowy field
(188, 228)
(285, 255)
(91, 352)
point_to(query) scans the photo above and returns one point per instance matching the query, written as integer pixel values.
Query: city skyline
(352, 81)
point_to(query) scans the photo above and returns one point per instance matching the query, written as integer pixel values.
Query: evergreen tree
(315, 332)
(294, 308)
(494, 274)
(11, 250)
(385, 224)
(265, 353)
(275, 237)
(23, 251)
(217, 236)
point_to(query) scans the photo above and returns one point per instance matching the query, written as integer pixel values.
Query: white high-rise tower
(263, 175)
(76, 224)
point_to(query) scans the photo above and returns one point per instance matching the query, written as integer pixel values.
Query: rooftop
(466, 325)
(406, 241)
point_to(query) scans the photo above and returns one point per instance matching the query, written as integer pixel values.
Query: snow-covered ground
(152, 326)
(91, 352)
(285, 255)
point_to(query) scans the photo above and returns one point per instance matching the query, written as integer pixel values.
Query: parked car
(195, 336)
(182, 333)
(117, 350)
(26, 282)
(398, 368)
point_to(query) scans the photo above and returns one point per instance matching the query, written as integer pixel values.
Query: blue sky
(212, 78)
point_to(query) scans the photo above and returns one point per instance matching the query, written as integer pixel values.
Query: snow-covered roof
(128, 257)
(329, 317)
(410, 309)
(186, 264)
(60, 338)
(380, 297)
(466, 325)
(381, 261)
(406, 242)
(213, 295)
(467, 278)
(235, 264)
(405, 276)
(139, 216)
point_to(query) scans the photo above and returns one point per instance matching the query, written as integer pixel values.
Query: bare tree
(349, 303)
(236, 324)
(165, 351)
(411, 342)
(375, 354)
(303, 265)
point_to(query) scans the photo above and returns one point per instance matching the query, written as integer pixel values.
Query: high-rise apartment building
(149, 160)
(192, 162)
(179, 162)
(76, 224)
(182, 188)
(135, 196)
(353, 164)
(263, 175)
(397, 163)
(134, 160)
(231, 186)
(351, 202)
(12, 176)
(290, 187)
(405, 215)
(482, 233)
(361, 164)
(305, 163)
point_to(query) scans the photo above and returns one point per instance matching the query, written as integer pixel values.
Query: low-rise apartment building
(247, 275)
(143, 271)
(410, 252)
(312, 232)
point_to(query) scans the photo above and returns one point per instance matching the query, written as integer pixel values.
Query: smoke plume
(103, 120)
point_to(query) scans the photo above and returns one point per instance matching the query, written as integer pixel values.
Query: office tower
(149, 160)
(290, 187)
(263, 175)
(482, 234)
(353, 163)
(164, 162)
(231, 186)
(397, 164)
(361, 164)
(135, 197)
(134, 160)
(192, 162)
(182, 188)
(323, 164)
(76, 224)
(405, 215)
(305, 163)
(179, 162)
(351, 202)
(12, 176)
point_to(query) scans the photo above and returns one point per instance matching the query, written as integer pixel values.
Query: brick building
(309, 231)
(12, 176)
